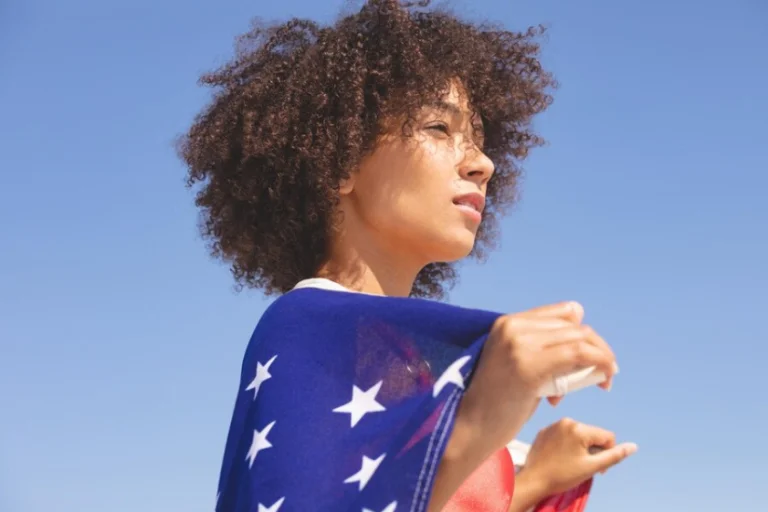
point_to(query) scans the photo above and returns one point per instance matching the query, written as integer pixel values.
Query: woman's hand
(562, 457)
(523, 351)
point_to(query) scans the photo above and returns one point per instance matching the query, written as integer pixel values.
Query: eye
(440, 127)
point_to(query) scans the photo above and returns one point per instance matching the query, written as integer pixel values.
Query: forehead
(456, 95)
(454, 101)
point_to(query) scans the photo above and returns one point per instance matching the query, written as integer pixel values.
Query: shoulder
(307, 306)
(302, 320)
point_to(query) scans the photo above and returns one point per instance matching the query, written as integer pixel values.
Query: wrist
(530, 489)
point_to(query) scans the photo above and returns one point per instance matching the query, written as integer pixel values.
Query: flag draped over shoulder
(347, 402)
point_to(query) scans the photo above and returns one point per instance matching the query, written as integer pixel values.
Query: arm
(457, 464)
(522, 352)
(529, 491)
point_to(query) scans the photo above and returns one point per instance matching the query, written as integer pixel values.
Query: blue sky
(121, 339)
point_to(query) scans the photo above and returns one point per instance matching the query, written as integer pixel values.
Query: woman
(348, 168)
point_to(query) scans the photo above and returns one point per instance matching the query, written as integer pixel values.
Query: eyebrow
(453, 109)
(450, 108)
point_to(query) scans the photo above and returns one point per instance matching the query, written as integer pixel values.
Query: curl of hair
(300, 104)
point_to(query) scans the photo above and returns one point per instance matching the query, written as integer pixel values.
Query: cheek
(392, 201)
(407, 191)
(420, 191)
(431, 180)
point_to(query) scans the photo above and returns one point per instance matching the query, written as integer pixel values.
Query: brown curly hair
(300, 104)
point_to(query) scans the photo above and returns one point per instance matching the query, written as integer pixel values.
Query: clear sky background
(121, 340)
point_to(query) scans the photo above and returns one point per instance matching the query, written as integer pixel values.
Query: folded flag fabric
(572, 500)
(488, 489)
(346, 403)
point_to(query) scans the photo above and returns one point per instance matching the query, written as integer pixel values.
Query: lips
(474, 200)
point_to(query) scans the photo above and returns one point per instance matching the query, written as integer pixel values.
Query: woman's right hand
(523, 352)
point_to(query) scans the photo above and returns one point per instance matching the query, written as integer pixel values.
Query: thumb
(608, 458)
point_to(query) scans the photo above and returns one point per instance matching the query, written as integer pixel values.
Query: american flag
(346, 402)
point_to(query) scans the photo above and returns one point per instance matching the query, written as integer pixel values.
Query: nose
(476, 166)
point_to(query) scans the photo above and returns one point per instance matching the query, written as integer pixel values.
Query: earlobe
(347, 185)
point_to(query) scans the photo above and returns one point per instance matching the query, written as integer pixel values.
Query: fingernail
(631, 448)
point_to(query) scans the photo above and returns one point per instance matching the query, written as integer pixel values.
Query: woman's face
(423, 196)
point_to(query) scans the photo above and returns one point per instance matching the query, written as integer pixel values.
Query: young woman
(347, 169)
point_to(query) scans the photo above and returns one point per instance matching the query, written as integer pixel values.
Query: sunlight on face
(423, 196)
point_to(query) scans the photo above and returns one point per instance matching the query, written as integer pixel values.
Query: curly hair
(299, 106)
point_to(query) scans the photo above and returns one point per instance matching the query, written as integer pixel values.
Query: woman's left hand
(562, 457)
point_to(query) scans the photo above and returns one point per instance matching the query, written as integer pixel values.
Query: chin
(457, 247)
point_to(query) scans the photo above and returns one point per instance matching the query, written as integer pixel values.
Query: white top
(322, 283)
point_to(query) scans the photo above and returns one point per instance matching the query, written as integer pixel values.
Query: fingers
(606, 459)
(533, 323)
(598, 340)
(549, 317)
(550, 341)
(581, 332)
(575, 351)
(554, 400)
(590, 336)
(571, 311)
(596, 436)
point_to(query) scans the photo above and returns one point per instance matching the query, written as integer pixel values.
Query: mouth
(473, 204)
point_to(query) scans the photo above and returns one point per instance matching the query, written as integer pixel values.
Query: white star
(362, 403)
(274, 508)
(366, 471)
(262, 374)
(390, 508)
(451, 375)
(259, 443)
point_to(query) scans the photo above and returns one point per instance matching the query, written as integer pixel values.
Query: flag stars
(389, 508)
(274, 508)
(362, 403)
(262, 374)
(367, 470)
(260, 442)
(452, 375)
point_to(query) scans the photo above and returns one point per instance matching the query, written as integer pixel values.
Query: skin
(398, 214)
(397, 210)
(560, 460)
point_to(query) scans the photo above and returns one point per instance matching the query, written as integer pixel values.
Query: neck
(362, 263)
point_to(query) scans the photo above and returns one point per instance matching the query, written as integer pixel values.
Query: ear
(347, 185)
